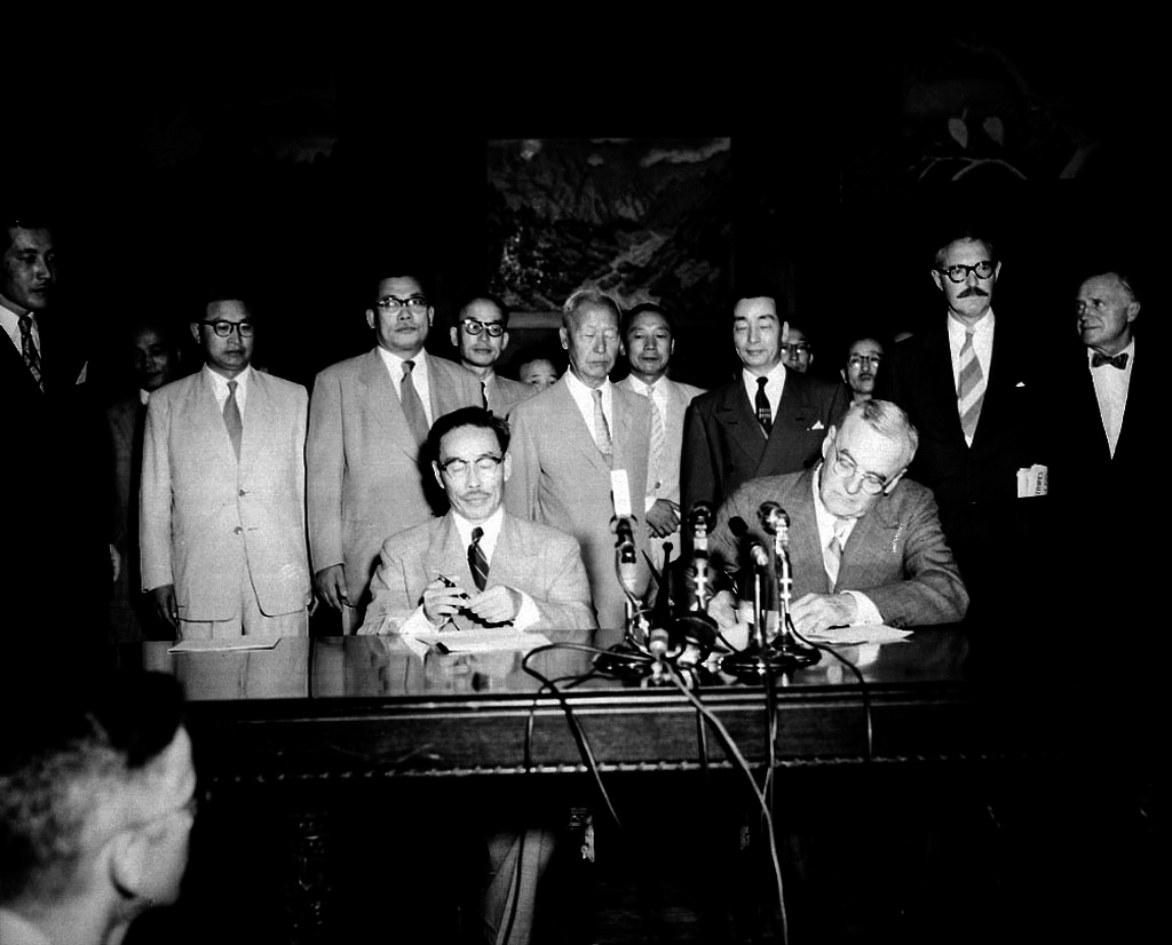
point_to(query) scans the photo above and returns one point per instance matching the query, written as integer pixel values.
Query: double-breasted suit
(725, 446)
(896, 554)
(560, 478)
(364, 476)
(540, 561)
(205, 516)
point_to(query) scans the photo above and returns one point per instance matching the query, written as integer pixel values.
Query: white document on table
(483, 640)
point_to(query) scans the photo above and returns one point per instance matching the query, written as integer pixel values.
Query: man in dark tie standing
(769, 420)
(56, 506)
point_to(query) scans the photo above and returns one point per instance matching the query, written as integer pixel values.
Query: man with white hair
(865, 543)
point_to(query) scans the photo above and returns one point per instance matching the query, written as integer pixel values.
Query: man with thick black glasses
(222, 525)
(368, 419)
(480, 334)
(971, 387)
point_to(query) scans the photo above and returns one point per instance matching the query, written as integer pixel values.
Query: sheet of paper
(225, 646)
(484, 640)
(878, 633)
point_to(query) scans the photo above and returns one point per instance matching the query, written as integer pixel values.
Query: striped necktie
(477, 563)
(832, 555)
(602, 429)
(28, 348)
(658, 444)
(970, 389)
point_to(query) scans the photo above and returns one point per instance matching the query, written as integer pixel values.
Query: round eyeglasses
(392, 304)
(871, 483)
(223, 328)
(960, 272)
(475, 327)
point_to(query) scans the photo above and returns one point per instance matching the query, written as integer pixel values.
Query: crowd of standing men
(238, 503)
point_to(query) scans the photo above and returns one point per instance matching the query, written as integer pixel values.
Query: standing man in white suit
(222, 522)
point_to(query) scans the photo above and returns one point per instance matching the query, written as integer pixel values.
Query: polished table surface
(313, 707)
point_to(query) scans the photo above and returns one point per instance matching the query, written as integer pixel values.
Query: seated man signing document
(865, 543)
(477, 566)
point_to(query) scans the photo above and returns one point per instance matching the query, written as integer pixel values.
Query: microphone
(756, 551)
(626, 554)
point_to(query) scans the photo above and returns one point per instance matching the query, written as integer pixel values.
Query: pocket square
(818, 425)
(1021, 383)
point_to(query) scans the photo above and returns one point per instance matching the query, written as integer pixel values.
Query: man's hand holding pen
(443, 598)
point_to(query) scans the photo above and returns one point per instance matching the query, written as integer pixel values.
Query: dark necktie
(764, 414)
(1119, 361)
(477, 563)
(28, 348)
(412, 405)
(484, 394)
(232, 418)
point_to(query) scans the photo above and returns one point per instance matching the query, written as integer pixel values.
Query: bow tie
(1119, 361)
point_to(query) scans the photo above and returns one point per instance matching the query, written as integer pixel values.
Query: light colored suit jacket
(504, 394)
(560, 478)
(668, 484)
(896, 553)
(205, 517)
(540, 561)
(365, 483)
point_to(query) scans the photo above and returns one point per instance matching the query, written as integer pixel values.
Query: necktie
(764, 414)
(412, 405)
(658, 441)
(970, 391)
(1119, 361)
(484, 394)
(477, 563)
(832, 555)
(602, 429)
(232, 418)
(28, 348)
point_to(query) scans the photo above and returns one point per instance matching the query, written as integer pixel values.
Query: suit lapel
(207, 419)
(448, 557)
(384, 404)
(868, 545)
(735, 414)
(805, 542)
(258, 417)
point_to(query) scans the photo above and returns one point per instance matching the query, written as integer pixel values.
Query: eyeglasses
(475, 327)
(800, 348)
(485, 464)
(391, 304)
(843, 465)
(960, 272)
(223, 329)
(857, 360)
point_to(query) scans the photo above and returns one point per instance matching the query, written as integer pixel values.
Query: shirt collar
(395, 362)
(958, 329)
(776, 375)
(1129, 351)
(580, 391)
(491, 525)
(220, 382)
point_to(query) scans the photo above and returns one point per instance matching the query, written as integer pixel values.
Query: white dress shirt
(982, 348)
(1111, 386)
(11, 324)
(868, 613)
(420, 377)
(220, 387)
(774, 385)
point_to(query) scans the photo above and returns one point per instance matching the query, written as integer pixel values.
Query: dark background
(295, 166)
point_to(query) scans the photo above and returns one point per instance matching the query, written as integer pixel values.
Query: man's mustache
(973, 290)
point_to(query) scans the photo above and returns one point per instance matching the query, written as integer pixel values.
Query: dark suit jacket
(724, 445)
(542, 562)
(975, 487)
(363, 478)
(561, 479)
(896, 553)
(57, 486)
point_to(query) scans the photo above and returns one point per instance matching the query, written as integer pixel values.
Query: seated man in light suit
(865, 543)
(499, 569)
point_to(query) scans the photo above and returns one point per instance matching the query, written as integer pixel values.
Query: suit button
(238, 530)
(242, 492)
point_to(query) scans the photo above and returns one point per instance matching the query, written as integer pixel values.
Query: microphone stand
(786, 643)
(632, 657)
